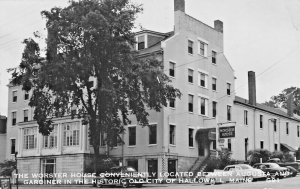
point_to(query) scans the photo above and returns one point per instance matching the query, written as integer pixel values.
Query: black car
(123, 176)
(292, 171)
(272, 169)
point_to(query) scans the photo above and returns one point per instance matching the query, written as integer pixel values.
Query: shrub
(255, 155)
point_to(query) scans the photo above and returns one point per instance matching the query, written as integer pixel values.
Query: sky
(259, 35)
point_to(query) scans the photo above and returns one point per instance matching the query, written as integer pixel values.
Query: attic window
(141, 42)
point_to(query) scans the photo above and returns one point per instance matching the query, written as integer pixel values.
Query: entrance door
(171, 167)
(48, 167)
(152, 168)
(201, 148)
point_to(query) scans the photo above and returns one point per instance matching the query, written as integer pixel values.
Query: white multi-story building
(180, 134)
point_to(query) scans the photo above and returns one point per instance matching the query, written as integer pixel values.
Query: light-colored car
(235, 173)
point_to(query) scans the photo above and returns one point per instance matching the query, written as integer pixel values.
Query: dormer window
(141, 42)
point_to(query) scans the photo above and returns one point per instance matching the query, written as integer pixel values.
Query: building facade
(3, 139)
(181, 135)
(262, 127)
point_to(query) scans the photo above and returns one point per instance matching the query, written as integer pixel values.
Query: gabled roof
(277, 111)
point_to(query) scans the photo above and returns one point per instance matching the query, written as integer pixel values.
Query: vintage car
(292, 171)
(235, 173)
(272, 169)
(295, 164)
(123, 176)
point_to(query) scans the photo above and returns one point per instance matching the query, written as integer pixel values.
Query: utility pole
(17, 179)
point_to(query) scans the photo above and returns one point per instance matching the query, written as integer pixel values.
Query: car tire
(125, 184)
(248, 178)
(212, 181)
(139, 185)
(98, 185)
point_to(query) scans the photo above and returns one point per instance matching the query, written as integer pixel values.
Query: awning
(287, 147)
(209, 133)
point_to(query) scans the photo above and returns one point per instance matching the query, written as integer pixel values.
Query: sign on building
(227, 132)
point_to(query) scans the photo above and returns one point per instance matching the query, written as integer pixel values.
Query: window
(172, 103)
(102, 139)
(190, 46)
(30, 138)
(190, 75)
(287, 127)
(26, 96)
(275, 147)
(214, 84)
(245, 117)
(141, 42)
(229, 144)
(203, 79)
(298, 130)
(275, 125)
(172, 69)
(25, 112)
(202, 48)
(228, 113)
(172, 134)
(14, 118)
(261, 144)
(132, 136)
(261, 119)
(71, 134)
(152, 134)
(133, 163)
(191, 103)
(214, 144)
(203, 106)
(228, 88)
(14, 96)
(214, 109)
(213, 57)
(50, 141)
(191, 137)
(12, 146)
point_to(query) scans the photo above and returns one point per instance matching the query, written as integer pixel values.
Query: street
(293, 182)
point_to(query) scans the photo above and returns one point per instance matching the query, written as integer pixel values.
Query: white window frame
(193, 46)
(68, 134)
(12, 94)
(52, 138)
(145, 38)
(174, 63)
(27, 134)
(212, 78)
(129, 135)
(206, 101)
(205, 47)
(171, 124)
(193, 78)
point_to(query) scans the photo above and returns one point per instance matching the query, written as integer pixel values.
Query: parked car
(292, 171)
(123, 176)
(235, 173)
(295, 165)
(272, 169)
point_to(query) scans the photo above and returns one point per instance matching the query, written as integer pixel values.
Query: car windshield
(274, 165)
(245, 166)
(130, 169)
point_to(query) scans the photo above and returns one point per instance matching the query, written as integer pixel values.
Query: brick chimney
(252, 88)
(179, 5)
(218, 25)
(289, 103)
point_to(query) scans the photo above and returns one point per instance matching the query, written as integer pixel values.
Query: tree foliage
(92, 40)
(7, 167)
(281, 100)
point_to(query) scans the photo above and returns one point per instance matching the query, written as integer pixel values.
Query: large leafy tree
(92, 39)
(282, 99)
